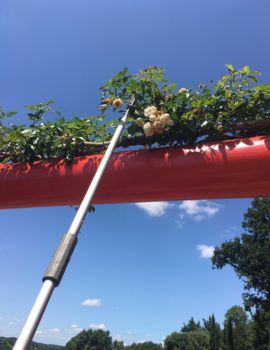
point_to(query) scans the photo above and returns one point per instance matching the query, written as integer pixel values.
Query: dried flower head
(117, 103)
(107, 101)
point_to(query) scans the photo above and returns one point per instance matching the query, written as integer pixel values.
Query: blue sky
(139, 271)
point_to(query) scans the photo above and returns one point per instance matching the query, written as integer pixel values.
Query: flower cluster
(157, 121)
(116, 103)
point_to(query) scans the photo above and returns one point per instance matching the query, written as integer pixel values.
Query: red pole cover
(228, 169)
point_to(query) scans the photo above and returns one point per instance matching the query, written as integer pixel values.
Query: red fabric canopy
(228, 169)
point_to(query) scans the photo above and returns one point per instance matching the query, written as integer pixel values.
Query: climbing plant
(162, 115)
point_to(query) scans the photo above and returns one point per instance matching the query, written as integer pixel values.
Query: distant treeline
(7, 344)
(238, 332)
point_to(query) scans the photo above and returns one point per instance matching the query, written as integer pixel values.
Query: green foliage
(261, 330)
(215, 333)
(7, 344)
(192, 340)
(191, 326)
(234, 107)
(47, 140)
(249, 255)
(250, 258)
(91, 340)
(118, 345)
(148, 345)
(236, 329)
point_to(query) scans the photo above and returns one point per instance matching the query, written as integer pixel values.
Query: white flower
(183, 90)
(148, 129)
(150, 110)
(152, 118)
(164, 119)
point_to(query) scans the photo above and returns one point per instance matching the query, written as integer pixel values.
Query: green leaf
(252, 78)
(246, 70)
(264, 88)
(230, 67)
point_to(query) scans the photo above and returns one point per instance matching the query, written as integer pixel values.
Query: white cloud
(76, 328)
(154, 208)
(98, 326)
(206, 251)
(199, 210)
(55, 330)
(180, 220)
(91, 302)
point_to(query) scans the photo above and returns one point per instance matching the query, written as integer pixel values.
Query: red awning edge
(228, 169)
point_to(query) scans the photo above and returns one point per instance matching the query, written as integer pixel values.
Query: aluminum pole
(59, 262)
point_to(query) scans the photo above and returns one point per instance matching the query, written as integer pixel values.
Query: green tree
(118, 345)
(249, 255)
(144, 346)
(191, 340)
(214, 331)
(91, 340)
(261, 330)
(191, 326)
(250, 258)
(228, 335)
(236, 328)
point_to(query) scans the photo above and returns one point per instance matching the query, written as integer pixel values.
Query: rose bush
(236, 106)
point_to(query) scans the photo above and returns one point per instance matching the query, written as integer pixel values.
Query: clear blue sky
(140, 276)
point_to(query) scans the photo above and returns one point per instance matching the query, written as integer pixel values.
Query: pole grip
(61, 258)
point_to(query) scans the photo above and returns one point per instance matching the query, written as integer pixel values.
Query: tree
(250, 258)
(228, 335)
(91, 340)
(261, 330)
(214, 331)
(249, 255)
(191, 326)
(118, 345)
(191, 340)
(144, 346)
(236, 329)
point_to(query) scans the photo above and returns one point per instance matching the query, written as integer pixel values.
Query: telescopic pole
(59, 262)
